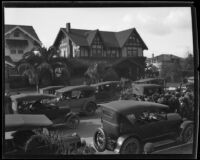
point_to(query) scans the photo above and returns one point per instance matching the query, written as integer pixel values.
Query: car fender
(185, 123)
(122, 139)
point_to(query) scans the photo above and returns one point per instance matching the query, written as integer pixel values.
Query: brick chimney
(68, 27)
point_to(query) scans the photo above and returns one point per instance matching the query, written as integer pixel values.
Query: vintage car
(159, 81)
(127, 125)
(43, 104)
(146, 89)
(80, 99)
(21, 135)
(107, 91)
(50, 89)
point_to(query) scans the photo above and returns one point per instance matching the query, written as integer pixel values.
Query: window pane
(13, 51)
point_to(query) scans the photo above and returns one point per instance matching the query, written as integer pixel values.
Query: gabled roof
(28, 29)
(110, 39)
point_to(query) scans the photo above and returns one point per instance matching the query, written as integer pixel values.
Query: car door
(149, 128)
(77, 100)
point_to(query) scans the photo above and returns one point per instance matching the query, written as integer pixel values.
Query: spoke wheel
(187, 134)
(100, 140)
(130, 146)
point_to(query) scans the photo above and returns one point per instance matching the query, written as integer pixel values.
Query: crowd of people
(177, 100)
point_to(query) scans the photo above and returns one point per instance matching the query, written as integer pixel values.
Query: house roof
(28, 29)
(110, 39)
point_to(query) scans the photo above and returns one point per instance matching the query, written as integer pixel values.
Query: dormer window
(16, 34)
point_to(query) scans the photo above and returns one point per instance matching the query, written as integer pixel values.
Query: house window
(132, 52)
(20, 51)
(13, 51)
(16, 34)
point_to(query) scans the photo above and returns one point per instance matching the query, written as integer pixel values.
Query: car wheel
(73, 121)
(99, 140)
(90, 109)
(130, 146)
(34, 142)
(187, 133)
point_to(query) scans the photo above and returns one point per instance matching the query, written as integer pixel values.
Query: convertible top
(104, 83)
(126, 106)
(25, 121)
(144, 85)
(51, 87)
(70, 88)
(30, 97)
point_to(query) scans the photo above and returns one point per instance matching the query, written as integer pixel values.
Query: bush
(111, 75)
(18, 82)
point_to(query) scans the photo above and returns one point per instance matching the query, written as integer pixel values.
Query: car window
(66, 95)
(151, 116)
(76, 94)
(86, 93)
(131, 117)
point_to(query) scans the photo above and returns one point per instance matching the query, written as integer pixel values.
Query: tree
(111, 75)
(39, 67)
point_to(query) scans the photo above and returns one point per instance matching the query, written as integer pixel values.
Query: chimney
(68, 27)
(152, 55)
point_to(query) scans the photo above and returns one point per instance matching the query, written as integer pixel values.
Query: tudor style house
(20, 39)
(122, 50)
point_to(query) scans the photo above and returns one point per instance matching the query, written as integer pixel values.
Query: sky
(165, 30)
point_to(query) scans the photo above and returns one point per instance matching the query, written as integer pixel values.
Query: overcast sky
(164, 30)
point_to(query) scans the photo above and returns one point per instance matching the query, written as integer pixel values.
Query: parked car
(80, 99)
(107, 91)
(19, 129)
(127, 125)
(50, 89)
(21, 135)
(158, 81)
(44, 104)
(146, 89)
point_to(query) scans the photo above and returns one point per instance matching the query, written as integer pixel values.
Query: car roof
(104, 83)
(33, 96)
(51, 87)
(125, 106)
(145, 85)
(70, 88)
(25, 121)
(148, 79)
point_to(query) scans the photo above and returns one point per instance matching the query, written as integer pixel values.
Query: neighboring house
(20, 39)
(122, 50)
(163, 60)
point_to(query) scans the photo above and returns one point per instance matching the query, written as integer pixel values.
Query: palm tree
(40, 67)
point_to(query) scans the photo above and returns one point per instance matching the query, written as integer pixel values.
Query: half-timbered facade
(104, 46)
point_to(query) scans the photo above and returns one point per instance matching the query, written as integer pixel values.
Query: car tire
(187, 133)
(90, 109)
(35, 141)
(135, 146)
(73, 121)
(100, 140)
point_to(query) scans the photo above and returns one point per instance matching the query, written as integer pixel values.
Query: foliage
(57, 144)
(172, 72)
(110, 75)
(151, 71)
(39, 67)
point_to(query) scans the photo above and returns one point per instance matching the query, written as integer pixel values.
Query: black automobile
(43, 104)
(107, 91)
(29, 134)
(127, 125)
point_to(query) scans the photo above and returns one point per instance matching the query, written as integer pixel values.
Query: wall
(16, 57)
